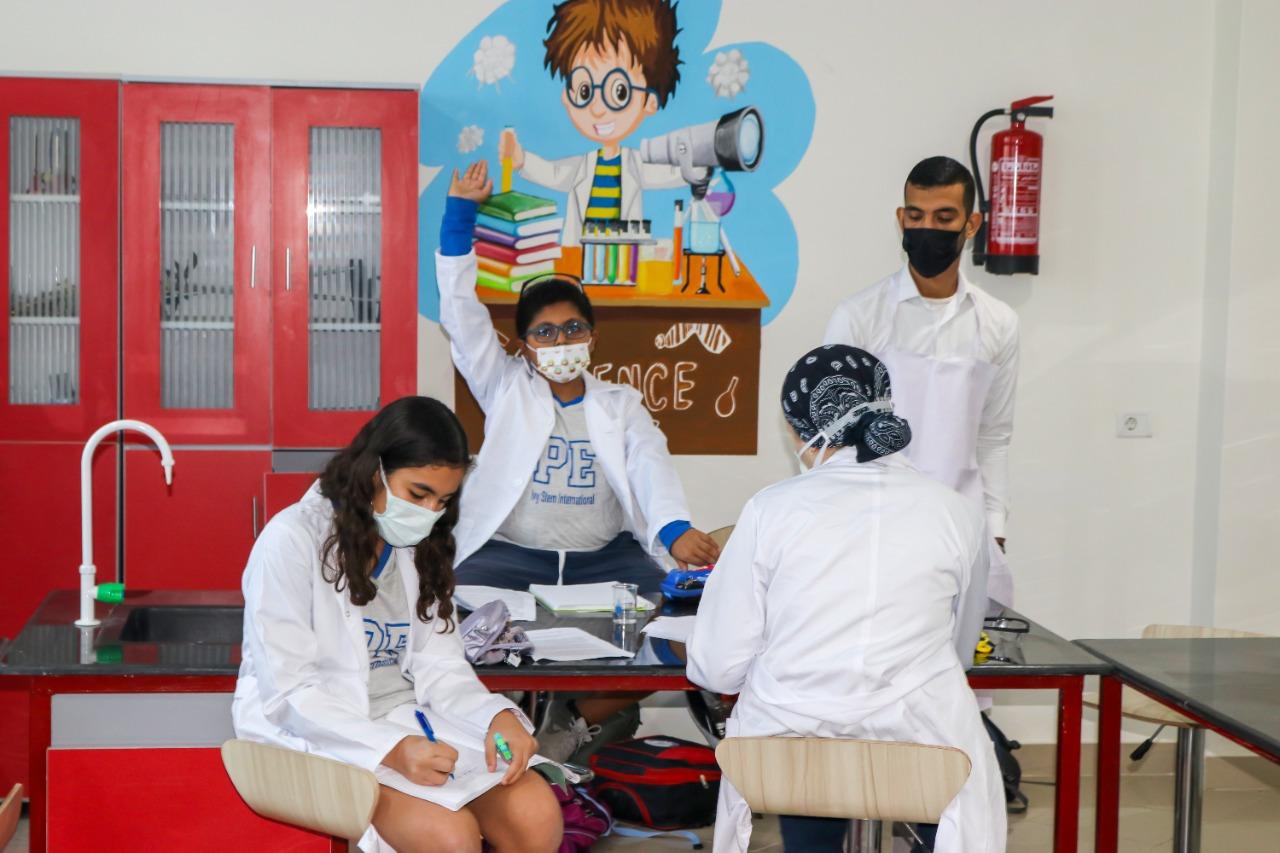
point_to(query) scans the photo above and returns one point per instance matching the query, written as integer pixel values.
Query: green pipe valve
(109, 593)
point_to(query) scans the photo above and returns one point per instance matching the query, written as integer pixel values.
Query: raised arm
(473, 342)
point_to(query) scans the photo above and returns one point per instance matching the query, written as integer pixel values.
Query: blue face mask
(403, 524)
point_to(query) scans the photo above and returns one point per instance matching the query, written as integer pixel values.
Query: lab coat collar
(849, 456)
(599, 386)
(905, 286)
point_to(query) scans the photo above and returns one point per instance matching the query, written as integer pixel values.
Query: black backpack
(1010, 769)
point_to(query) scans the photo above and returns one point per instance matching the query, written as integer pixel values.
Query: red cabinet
(59, 239)
(197, 289)
(41, 484)
(282, 490)
(266, 268)
(159, 799)
(59, 152)
(344, 221)
(42, 523)
(196, 533)
(269, 299)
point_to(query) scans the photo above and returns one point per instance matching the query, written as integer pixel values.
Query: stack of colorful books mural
(517, 238)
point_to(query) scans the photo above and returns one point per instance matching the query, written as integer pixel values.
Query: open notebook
(580, 597)
(471, 776)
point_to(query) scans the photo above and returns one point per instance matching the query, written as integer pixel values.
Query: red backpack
(661, 782)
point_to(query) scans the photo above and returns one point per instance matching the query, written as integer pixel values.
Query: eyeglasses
(548, 333)
(616, 90)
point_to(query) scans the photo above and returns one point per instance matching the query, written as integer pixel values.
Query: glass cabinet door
(44, 261)
(345, 227)
(59, 148)
(196, 261)
(344, 268)
(197, 265)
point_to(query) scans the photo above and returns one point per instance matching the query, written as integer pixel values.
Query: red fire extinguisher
(1009, 240)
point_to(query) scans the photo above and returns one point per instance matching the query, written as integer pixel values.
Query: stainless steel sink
(188, 623)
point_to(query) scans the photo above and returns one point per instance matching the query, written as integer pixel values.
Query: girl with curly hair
(349, 631)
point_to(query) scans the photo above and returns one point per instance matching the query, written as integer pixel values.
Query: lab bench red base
(209, 779)
(158, 799)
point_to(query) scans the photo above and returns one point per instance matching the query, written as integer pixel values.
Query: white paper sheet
(674, 628)
(580, 597)
(471, 775)
(522, 605)
(569, 644)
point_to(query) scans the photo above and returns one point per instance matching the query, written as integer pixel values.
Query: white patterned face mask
(563, 363)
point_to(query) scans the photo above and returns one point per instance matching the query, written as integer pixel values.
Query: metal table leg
(864, 836)
(1189, 790)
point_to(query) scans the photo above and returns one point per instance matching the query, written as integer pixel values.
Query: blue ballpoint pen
(426, 728)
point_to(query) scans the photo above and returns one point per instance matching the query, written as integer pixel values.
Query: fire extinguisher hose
(980, 239)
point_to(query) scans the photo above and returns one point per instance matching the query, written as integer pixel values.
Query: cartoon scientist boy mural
(619, 64)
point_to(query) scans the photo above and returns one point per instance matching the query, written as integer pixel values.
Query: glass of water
(624, 603)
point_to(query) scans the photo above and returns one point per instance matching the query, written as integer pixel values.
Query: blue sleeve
(673, 531)
(458, 225)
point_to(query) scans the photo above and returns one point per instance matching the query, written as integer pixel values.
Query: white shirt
(972, 323)
(568, 504)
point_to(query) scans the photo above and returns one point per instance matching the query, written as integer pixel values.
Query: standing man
(951, 348)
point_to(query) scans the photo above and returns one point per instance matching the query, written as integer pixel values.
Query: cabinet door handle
(253, 515)
(253, 267)
(288, 265)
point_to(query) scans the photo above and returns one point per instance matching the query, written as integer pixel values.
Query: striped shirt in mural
(606, 189)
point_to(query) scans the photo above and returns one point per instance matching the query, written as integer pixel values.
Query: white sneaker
(563, 734)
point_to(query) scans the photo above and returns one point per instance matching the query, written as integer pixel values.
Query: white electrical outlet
(1133, 425)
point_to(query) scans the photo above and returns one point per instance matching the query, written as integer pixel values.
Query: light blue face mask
(403, 524)
(833, 429)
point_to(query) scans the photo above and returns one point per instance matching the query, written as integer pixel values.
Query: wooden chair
(1188, 770)
(10, 812)
(863, 780)
(308, 791)
(721, 534)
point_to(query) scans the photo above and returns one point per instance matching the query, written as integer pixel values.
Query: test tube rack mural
(611, 250)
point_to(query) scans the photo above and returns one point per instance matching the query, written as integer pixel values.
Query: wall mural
(628, 152)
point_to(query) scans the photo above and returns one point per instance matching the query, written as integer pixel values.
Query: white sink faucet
(88, 572)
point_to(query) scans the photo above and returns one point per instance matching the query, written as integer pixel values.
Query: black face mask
(932, 250)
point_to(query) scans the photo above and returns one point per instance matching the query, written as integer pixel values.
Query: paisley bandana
(828, 383)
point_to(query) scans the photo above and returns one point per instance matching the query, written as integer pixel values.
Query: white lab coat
(842, 607)
(520, 414)
(573, 175)
(304, 673)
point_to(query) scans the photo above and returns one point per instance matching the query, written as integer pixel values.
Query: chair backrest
(10, 811)
(1191, 632)
(855, 779)
(721, 534)
(304, 790)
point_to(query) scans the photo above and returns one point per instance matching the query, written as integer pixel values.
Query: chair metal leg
(864, 836)
(1188, 790)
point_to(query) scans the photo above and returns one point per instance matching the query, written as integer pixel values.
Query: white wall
(1247, 580)
(1101, 537)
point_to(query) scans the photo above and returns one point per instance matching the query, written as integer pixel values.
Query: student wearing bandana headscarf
(848, 602)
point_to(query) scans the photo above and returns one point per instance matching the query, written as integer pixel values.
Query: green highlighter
(503, 750)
